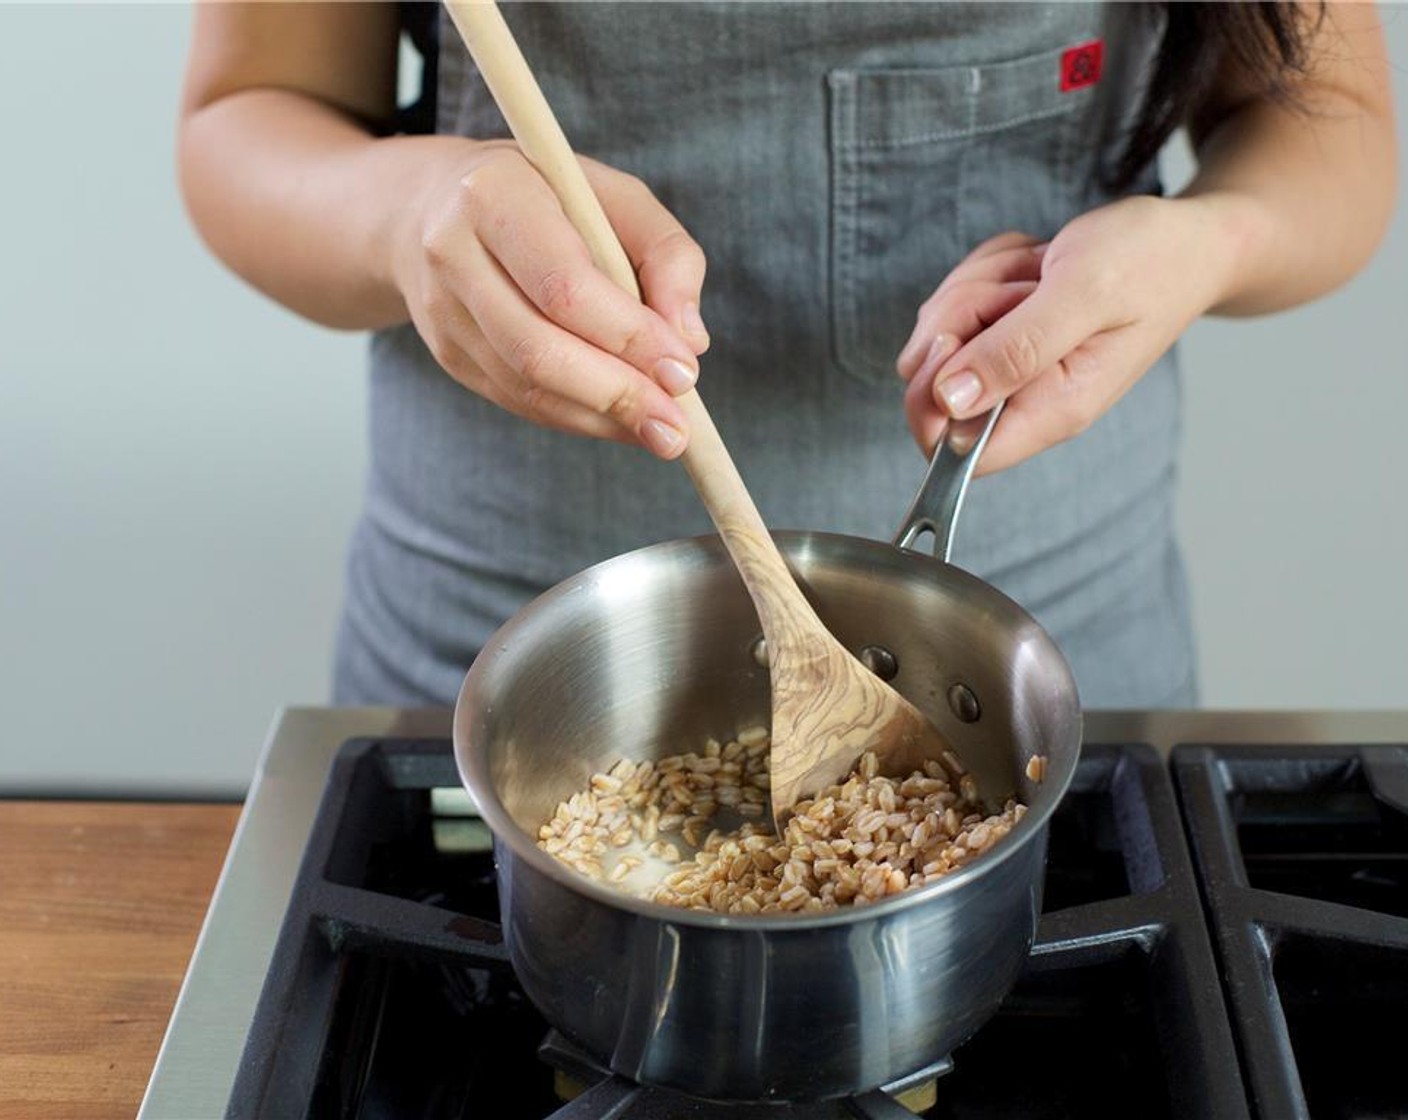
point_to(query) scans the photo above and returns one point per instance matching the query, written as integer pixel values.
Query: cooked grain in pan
(648, 828)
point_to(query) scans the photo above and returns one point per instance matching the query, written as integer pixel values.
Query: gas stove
(1224, 934)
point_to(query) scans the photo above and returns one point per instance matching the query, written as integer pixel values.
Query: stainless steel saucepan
(651, 652)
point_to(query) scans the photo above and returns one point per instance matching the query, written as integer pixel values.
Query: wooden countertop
(100, 905)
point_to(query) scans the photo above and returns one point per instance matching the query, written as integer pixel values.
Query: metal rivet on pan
(880, 661)
(963, 703)
(760, 651)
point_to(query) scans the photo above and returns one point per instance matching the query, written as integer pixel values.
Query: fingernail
(939, 350)
(674, 376)
(933, 437)
(690, 322)
(960, 390)
(661, 438)
(910, 351)
(961, 441)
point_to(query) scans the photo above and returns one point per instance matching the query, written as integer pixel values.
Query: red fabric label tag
(1080, 66)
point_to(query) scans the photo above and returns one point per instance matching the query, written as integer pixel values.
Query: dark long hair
(1268, 40)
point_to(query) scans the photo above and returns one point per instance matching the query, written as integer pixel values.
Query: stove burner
(582, 1082)
(1304, 857)
(391, 994)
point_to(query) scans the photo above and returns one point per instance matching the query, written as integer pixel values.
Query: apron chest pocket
(925, 164)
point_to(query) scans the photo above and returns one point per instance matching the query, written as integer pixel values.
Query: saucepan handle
(935, 508)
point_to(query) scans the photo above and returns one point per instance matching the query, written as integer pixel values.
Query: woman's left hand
(1060, 330)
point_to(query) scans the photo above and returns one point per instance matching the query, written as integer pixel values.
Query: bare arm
(291, 182)
(1305, 191)
(279, 167)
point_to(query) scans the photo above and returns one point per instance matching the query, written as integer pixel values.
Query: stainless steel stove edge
(196, 1065)
(200, 1053)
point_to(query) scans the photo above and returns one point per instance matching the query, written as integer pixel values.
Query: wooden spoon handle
(521, 100)
(543, 143)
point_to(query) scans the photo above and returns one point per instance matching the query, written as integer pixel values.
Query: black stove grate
(390, 993)
(1303, 854)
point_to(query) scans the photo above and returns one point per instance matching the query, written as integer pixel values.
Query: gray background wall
(180, 459)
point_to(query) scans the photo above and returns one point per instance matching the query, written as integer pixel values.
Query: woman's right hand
(504, 293)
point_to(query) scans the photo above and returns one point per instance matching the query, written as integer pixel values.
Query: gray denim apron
(835, 161)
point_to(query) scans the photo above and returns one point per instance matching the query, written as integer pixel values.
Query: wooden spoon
(827, 708)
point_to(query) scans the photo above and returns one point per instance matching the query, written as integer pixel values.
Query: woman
(839, 167)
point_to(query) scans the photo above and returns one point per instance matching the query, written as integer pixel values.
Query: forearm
(304, 203)
(1301, 202)
(1300, 196)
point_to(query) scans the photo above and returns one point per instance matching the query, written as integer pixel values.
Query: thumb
(1011, 353)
